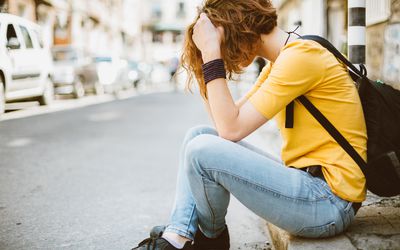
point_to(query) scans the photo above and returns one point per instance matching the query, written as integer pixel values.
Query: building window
(181, 13)
(157, 37)
(176, 37)
(377, 11)
(3, 6)
(21, 10)
(156, 13)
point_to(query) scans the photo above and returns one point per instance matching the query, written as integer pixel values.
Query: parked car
(112, 73)
(74, 73)
(124, 71)
(135, 75)
(25, 64)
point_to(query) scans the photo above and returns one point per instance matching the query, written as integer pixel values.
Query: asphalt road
(99, 177)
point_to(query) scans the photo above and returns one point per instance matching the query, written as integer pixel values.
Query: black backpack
(381, 105)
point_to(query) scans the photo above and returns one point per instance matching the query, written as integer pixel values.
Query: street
(93, 178)
(98, 177)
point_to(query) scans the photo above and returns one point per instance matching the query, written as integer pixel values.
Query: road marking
(57, 105)
(103, 117)
(19, 142)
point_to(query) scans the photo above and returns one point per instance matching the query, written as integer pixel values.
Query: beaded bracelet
(213, 70)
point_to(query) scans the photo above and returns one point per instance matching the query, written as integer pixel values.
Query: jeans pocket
(348, 207)
(348, 215)
(323, 231)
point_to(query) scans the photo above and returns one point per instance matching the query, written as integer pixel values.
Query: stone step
(283, 241)
(376, 226)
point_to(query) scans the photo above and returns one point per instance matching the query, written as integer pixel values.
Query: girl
(316, 189)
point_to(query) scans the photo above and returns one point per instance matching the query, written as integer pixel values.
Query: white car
(25, 64)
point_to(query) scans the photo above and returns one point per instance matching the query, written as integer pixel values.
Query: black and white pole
(356, 31)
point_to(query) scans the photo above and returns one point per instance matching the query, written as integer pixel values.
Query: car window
(39, 38)
(37, 42)
(11, 32)
(27, 37)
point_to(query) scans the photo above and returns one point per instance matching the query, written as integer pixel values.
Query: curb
(27, 109)
(376, 226)
(284, 241)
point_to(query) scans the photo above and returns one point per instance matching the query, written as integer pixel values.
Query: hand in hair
(207, 38)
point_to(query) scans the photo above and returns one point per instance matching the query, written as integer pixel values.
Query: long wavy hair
(243, 23)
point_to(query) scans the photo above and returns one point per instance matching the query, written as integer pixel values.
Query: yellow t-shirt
(304, 67)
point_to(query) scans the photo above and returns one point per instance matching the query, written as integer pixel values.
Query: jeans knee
(199, 130)
(199, 150)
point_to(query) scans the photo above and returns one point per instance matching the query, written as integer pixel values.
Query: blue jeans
(212, 168)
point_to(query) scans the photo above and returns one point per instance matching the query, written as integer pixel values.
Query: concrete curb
(282, 240)
(376, 226)
(27, 109)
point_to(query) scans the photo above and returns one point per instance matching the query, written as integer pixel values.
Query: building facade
(150, 30)
(162, 26)
(383, 41)
(96, 26)
(23, 8)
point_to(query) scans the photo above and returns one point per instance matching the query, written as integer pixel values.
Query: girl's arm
(233, 122)
(239, 103)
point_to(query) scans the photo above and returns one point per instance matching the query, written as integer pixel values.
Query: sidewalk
(377, 224)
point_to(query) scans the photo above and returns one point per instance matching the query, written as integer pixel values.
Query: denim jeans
(211, 168)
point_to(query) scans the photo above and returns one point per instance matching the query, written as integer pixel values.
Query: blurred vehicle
(25, 64)
(113, 73)
(146, 71)
(74, 73)
(160, 73)
(123, 69)
(135, 75)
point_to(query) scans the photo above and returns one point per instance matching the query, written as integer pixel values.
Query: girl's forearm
(222, 108)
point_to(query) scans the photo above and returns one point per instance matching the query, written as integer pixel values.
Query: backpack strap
(289, 120)
(326, 44)
(339, 138)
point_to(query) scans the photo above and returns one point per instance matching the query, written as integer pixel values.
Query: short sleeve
(298, 68)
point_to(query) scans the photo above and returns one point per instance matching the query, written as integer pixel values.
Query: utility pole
(356, 31)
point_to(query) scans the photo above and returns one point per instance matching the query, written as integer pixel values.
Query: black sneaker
(201, 242)
(156, 242)
(157, 231)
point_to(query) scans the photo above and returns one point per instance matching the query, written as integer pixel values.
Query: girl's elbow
(230, 135)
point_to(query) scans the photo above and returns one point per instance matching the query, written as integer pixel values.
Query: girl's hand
(207, 38)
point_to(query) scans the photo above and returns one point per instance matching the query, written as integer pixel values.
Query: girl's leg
(184, 219)
(287, 197)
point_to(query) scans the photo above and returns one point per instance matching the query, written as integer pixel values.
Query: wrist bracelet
(213, 70)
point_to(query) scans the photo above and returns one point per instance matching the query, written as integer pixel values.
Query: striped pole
(356, 31)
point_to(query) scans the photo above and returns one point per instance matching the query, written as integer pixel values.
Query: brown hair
(243, 23)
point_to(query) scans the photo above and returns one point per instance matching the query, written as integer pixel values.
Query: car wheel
(136, 83)
(2, 98)
(79, 90)
(48, 94)
(98, 88)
